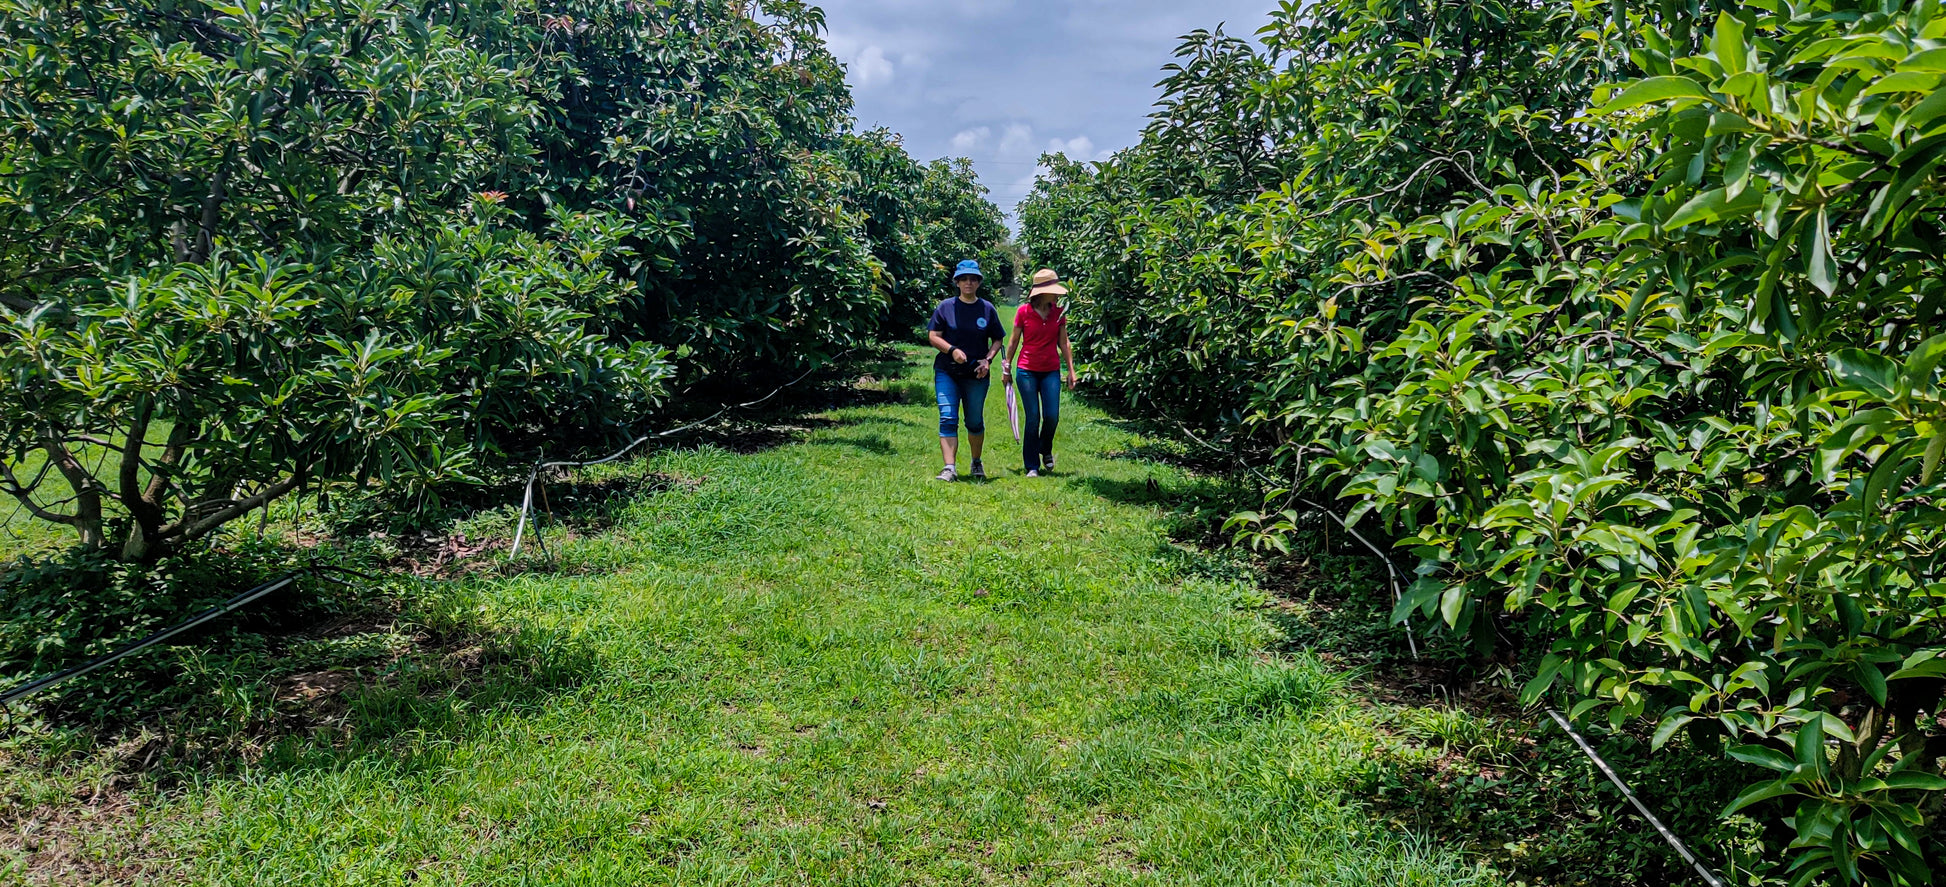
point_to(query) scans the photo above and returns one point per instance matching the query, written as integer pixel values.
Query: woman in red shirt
(1040, 346)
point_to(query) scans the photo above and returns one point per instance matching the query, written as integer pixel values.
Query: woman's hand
(1073, 381)
(959, 356)
(984, 369)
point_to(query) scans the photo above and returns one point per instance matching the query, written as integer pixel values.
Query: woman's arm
(1014, 342)
(940, 344)
(993, 351)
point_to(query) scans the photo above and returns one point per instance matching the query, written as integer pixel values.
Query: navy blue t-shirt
(970, 328)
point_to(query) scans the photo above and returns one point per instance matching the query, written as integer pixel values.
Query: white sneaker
(948, 474)
(1033, 474)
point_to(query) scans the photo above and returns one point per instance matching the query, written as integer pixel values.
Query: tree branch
(172, 453)
(204, 28)
(1384, 192)
(213, 209)
(129, 474)
(1412, 275)
(1612, 337)
(24, 493)
(189, 530)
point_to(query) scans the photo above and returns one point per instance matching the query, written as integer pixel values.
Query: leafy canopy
(1624, 319)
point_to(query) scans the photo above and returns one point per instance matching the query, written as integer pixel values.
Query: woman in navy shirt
(967, 333)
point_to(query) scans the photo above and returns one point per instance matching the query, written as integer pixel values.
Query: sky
(1002, 81)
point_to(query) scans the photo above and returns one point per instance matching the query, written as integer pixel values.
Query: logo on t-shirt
(983, 323)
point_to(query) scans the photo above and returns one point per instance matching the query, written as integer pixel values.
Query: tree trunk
(87, 494)
(145, 515)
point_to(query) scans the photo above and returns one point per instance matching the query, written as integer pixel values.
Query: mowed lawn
(22, 534)
(817, 665)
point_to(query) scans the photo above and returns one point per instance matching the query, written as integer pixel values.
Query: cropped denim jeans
(1040, 415)
(960, 398)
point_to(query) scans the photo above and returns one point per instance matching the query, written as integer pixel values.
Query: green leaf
(1905, 81)
(1819, 264)
(1925, 60)
(1550, 667)
(1728, 43)
(1913, 780)
(1763, 791)
(1871, 680)
(1870, 372)
(1920, 364)
(1654, 89)
(1705, 207)
(1451, 603)
(1810, 745)
(1921, 666)
(1667, 730)
(1928, 110)
(1762, 756)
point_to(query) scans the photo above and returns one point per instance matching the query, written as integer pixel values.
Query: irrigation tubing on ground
(527, 498)
(1663, 830)
(235, 603)
(1579, 740)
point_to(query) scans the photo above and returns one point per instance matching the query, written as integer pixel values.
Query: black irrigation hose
(235, 603)
(1663, 830)
(527, 500)
(1668, 836)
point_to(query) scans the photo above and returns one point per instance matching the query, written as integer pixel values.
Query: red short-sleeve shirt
(1040, 339)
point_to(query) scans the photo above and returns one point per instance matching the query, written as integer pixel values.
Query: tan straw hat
(1046, 281)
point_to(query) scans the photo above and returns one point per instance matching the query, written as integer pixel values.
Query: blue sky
(1002, 81)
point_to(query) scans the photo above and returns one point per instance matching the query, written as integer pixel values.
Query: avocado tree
(723, 129)
(957, 222)
(255, 249)
(1623, 320)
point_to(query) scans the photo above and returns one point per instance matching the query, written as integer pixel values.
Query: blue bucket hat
(968, 267)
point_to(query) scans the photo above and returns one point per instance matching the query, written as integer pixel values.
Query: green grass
(20, 532)
(819, 666)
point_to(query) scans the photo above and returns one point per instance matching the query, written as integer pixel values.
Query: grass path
(819, 666)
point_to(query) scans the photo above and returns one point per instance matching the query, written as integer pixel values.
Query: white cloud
(971, 139)
(870, 68)
(1018, 140)
(995, 80)
(1077, 148)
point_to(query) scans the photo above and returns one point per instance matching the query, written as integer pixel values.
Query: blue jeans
(971, 394)
(1040, 415)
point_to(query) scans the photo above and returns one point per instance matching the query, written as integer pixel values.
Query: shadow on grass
(1464, 762)
(1195, 509)
(446, 690)
(1147, 492)
(873, 419)
(377, 684)
(877, 444)
(248, 706)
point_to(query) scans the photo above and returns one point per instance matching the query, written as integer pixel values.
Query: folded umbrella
(1013, 409)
